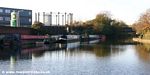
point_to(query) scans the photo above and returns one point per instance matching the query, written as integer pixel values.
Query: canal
(86, 58)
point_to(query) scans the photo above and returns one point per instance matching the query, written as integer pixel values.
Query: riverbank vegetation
(103, 24)
(142, 26)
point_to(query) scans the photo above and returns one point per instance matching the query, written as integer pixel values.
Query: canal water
(78, 58)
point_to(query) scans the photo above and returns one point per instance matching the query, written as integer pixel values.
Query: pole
(35, 17)
(71, 18)
(18, 19)
(50, 18)
(65, 18)
(68, 19)
(44, 17)
(62, 19)
(38, 16)
(58, 18)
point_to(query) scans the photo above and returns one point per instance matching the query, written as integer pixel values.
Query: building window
(7, 18)
(1, 18)
(30, 20)
(1, 10)
(7, 11)
(30, 13)
(14, 10)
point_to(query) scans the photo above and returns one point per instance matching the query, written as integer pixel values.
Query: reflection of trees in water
(127, 41)
(143, 50)
(38, 54)
(102, 50)
(107, 50)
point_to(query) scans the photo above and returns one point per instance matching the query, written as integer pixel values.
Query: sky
(125, 10)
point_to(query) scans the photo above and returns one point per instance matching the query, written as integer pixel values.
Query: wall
(18, 30)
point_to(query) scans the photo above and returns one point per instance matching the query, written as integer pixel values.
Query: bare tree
(143, 22)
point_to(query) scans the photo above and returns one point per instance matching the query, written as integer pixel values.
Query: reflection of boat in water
(25, 51)
(59, 39)
(73, 45)
(94, 41)
(49, 47)
(7, 51)
(10, 40)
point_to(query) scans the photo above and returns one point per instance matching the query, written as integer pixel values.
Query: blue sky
(126, 10)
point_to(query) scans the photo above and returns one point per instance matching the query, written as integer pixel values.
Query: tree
(143, 22)
(118, 28)
(102, 24)
(37, 25)
(145, 18)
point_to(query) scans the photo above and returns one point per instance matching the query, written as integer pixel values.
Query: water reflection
(143, 51)
(27, 51)
(77, 58)
(7, 52)
(103, 50)
(100, 49)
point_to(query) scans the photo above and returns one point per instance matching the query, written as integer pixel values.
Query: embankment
(141, 40)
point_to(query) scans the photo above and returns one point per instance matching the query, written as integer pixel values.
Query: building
(24, 16)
